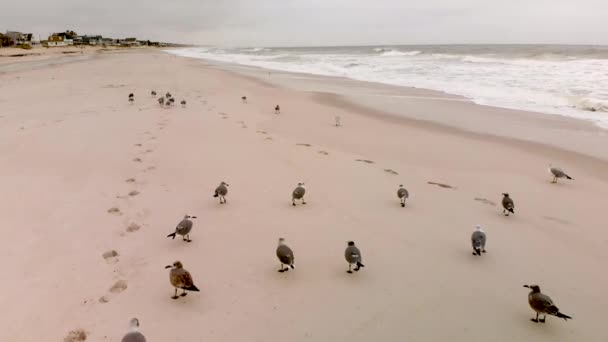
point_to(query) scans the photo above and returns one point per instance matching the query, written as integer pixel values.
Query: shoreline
(562, 130)
(579, 115)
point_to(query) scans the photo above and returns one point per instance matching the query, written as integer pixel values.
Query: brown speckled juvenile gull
(181, 279)
(542, 305)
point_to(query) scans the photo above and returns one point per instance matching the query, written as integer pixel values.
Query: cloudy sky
(318, 22)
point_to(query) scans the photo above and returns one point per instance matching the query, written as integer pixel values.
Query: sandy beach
(83, 172)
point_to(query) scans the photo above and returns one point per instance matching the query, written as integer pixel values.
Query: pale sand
(67, 143)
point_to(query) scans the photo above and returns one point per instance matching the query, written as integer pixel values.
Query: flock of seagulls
(180, 278)
(167, 101)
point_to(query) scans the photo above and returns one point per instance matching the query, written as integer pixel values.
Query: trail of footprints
(112, 256)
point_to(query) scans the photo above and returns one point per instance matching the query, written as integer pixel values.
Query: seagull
(244, 98)
(183, 228)
(478, 240)
(168, 95)
(221, 191)
(557, 173)
(353, 256)
(285, 255)
(134, 335)
(277, 109)
(403, 194)
(181, 279)
(131, 97)
(543, 305)
(298, 194)
(183, 103)
(507, 204)
(153, 93)
(161, 101)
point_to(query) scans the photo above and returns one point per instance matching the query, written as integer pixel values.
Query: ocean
(563, 80)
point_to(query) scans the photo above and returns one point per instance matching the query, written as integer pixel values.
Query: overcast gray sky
(318, 22)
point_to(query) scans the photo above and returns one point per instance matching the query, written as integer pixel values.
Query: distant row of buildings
(67, 38)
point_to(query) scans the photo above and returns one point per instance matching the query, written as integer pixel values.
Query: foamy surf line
(537, 79)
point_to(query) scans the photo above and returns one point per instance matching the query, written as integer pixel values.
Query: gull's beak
(168, 266)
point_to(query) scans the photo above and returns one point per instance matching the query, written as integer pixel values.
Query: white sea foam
(396, 53)
(542, 81)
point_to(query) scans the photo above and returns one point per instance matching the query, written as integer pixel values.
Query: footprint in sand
(558, 220)
(114, 211)
(269, 138)
(138, 145)
(152, 138)
(307, 145)
(130, 180)
(324, 153)
(78, 335)
(133, 227)
(151, 168)
(133, 193)
(119, 286)
(445, 186)
(137, 160)
(392, 172)
(262, 132)
(149, 150)
(111, 257)
(365, 161)
(485, 201)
